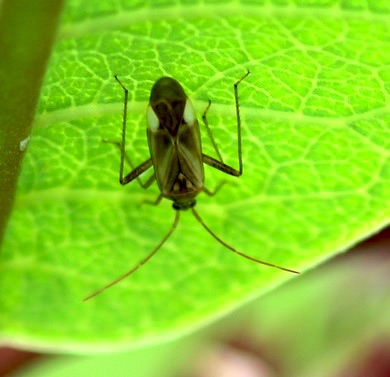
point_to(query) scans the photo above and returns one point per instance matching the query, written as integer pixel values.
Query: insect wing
(177, 158)
(165, 159)
(190, 154)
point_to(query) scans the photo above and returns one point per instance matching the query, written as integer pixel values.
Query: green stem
(27, 34)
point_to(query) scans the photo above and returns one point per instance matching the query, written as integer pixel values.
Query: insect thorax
(183, 205)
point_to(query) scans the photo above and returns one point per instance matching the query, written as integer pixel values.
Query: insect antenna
(141, 263)
(233, 249)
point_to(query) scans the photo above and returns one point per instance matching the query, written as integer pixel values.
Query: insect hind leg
(135, 171)
(218, 163)
(124, 180)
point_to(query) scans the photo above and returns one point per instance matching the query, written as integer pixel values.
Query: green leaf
(281, 329)
(315, 115)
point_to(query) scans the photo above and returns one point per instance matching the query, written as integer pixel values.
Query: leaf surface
(315, 119)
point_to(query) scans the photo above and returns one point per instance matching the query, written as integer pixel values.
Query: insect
(176, 156)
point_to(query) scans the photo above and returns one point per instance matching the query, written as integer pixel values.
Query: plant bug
(176, 156)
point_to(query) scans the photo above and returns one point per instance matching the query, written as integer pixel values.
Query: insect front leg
(151, 202)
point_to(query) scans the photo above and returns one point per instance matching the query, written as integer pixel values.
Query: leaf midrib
(98, 110)
(139, 16)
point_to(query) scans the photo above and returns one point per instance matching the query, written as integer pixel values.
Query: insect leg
(235, 250)
(139, 169)
(142, 261)
(212, 193)
(239, 143)
(208, 129)
(151, 202)
(136, 171)
(219, 164)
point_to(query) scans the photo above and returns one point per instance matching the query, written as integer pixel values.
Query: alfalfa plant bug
(176, 156)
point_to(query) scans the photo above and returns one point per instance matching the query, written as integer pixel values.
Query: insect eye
(152, 120)
(189, 113)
